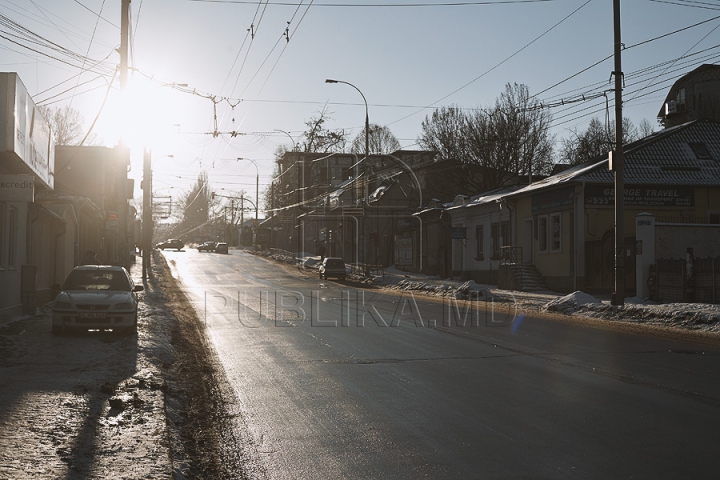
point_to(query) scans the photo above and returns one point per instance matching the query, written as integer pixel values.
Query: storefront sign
(642, 195)
(31, 141)
(17, 188)
(553, 199)
(458, 233)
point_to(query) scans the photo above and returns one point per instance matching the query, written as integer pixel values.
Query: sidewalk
(87, 405)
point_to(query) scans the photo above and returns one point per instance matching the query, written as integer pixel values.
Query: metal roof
(674, 156)
(663, 158)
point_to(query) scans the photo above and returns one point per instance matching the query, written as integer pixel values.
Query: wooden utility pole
(123, 154)
(147, 226)
(617, 165)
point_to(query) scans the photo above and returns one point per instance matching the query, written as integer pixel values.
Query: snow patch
(571, 302)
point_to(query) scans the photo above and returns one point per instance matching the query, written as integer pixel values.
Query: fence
(677, 281)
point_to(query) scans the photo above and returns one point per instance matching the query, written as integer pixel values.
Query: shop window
(479, 243)
(542, 234)
(555, 233)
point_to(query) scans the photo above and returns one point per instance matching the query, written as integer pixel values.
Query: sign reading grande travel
(641, 195)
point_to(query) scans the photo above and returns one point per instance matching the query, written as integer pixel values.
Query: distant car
(96, 297)
(332, 267)
(221, 247)
(171, 243)
(206, 247)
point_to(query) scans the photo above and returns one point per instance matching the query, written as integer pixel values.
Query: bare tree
(598, 140)
(66, 123)
(318, 139)
(645, 128)
(380, 141)
(522, 129)
(488, 148)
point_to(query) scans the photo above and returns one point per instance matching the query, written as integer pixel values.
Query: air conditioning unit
(670, 107)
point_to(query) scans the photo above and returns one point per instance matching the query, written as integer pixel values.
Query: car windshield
(97, 280)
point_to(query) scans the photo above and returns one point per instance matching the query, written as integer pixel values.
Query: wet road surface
(333, 381)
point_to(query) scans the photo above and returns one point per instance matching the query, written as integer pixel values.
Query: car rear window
(97, 280)
(335, 263)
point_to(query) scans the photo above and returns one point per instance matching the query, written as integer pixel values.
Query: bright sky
(258, 68)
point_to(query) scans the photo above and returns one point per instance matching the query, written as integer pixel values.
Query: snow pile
(423, 287)
(690, 316)
(311, 262)
(571, 302)
(443, 289)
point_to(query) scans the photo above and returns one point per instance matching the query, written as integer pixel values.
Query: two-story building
(694, 96)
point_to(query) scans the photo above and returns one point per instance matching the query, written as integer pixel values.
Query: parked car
(171, 243)
(221, 247)
(206, 247)
(96, 297)
(332, 267)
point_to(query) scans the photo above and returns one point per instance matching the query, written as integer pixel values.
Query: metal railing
(510, 255)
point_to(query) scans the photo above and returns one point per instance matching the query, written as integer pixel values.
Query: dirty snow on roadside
(84, 405)
(691, 316)
(688, 316)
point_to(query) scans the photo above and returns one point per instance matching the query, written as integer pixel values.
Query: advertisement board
(31, 140)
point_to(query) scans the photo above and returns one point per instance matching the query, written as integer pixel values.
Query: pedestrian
(321, 251)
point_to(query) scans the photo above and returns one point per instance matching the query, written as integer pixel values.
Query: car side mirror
(138, 288)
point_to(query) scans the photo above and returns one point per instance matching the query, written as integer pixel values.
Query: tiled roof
(667, 158)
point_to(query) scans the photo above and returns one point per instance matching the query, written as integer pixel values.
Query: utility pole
(147, 214)
(617, 165)
(123, 154)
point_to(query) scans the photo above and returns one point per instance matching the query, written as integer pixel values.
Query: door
(527, 246)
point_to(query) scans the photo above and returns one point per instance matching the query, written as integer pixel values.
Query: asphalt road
(333, 381)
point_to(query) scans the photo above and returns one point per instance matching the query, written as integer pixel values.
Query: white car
(96, 297)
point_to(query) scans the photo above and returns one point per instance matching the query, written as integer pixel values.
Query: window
(555, 233)
(500, 233)
(479, 243)
(700, 150)
(12, 237)
(542, 234)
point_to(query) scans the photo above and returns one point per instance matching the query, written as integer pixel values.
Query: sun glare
(142, 116)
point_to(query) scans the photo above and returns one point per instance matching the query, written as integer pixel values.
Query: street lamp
(367, 156)
(291, 138)
(367, 118)
(257, 184)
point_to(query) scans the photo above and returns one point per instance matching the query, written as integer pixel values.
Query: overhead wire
(497, 64)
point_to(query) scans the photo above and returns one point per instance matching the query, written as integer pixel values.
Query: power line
(388, 5)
